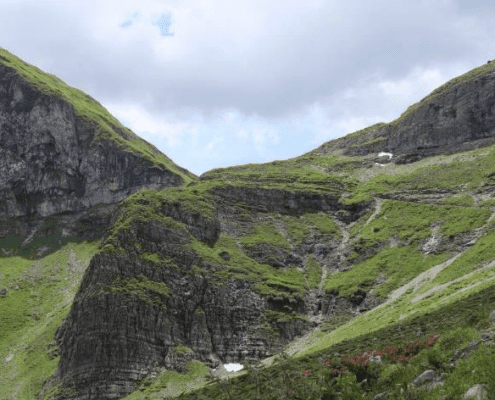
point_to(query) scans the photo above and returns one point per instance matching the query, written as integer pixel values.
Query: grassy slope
(108, 126)
(39, 296)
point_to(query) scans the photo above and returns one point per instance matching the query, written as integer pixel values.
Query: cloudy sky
(216, 83)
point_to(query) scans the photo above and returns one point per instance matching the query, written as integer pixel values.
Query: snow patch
(233, 367)
(385, 154)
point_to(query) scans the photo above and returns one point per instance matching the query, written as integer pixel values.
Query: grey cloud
(300, 53)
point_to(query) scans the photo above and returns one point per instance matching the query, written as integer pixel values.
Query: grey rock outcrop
(51, 161)
(427, 376)
(54, 162)
(456, 117)
(118, 329)
(477, 392)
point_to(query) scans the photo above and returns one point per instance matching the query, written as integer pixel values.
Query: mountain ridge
(236, 264)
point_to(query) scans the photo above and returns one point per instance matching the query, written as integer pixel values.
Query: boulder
(427, 376)
(375, 359)
(476, 392)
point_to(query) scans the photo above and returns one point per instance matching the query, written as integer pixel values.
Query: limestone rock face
(457, 117)
(51, 162)
(121, 325)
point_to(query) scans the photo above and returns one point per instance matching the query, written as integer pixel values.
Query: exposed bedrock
(288, 202)
(460, 117)
(57, 178)
(115, 333)
(51, 162)
(130, 314)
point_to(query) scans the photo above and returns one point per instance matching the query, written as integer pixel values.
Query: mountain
(137, 277)
(63, 153)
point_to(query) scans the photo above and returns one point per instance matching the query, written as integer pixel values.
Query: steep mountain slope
(235, 266)
(65, 164)
(61, 152)
(344, 245)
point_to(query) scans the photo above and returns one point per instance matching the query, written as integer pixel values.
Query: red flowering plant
(363, 369)
(334, 370)
(402, 354)
(360, 366)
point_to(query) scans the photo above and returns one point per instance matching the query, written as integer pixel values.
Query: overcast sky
(215, 83)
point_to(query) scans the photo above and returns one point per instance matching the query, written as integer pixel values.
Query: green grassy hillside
(39, 295)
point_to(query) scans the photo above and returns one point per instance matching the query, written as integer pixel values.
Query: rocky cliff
(61, 153)
(457, 116)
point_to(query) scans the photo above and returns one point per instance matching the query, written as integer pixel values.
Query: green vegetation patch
(398, 264)
(194, 198)
(460, 200)
(459, 173)
(297, 174)
(464, 377)
(413, 221)
(181, 349)
(144, 207)
(171, 384)
(313, 272)
(300, 227)
(284, 317)
(285, 279)
(267, 280)
(265, 233)
(108, 127)
(463, 171)
(158, 260)
(141, 287)
(324, 223)
(483, 251)
(39, 296)
(432, 315)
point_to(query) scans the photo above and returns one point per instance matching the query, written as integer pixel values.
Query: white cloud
(153, 126)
